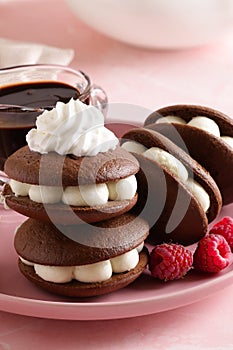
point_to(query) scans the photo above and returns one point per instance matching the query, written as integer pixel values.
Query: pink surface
(151, 80)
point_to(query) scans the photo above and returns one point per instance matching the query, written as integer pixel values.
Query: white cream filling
(56, 274)
(228, 140)
(46, 194)
(122, 189)
(26, 262)
(179, 170)
(85, 195)
(199, 122)
(206, 124)
(198, 191)
(168, 161)
(125, 262)
(19, 188)
(171, 119)
(90, 273)
(133, 146)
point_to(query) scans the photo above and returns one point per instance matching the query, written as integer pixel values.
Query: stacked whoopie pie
(186, 169)
(80, 238)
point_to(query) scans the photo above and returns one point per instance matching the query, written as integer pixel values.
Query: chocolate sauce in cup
(39, 87)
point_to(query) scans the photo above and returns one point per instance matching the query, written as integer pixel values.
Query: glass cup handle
(98, 98)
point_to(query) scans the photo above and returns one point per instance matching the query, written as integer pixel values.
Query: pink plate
(145, 296)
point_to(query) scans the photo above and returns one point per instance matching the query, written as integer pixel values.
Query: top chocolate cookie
(52, 169)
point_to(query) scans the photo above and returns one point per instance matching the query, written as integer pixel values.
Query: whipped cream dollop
(71, 128)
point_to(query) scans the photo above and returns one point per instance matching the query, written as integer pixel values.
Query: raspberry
(170, 261)
(212, 254)
(225, 228)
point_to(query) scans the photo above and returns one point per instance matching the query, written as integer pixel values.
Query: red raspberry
(170, 261)
(212, 254)
(225, 228)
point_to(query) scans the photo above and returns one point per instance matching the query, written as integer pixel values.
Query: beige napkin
(13, 53)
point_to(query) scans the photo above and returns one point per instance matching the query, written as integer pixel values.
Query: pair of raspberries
(213, 253)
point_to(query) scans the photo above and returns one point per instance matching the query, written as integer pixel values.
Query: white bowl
(165, 24)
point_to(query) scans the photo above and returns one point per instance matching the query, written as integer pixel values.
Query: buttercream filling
(90, 273)
(85, 195)
(175, 167)
(199, 122)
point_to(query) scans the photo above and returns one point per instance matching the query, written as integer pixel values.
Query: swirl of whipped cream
(71, 128)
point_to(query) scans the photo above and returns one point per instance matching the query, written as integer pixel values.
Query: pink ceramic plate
(145, 296)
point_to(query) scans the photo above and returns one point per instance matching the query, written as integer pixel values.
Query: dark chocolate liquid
(15, 125)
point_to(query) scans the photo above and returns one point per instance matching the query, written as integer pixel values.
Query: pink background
(150, 79)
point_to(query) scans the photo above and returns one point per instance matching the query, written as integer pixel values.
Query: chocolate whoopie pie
(210, 150)
(83, 260)
(176, 194)
(51, 172)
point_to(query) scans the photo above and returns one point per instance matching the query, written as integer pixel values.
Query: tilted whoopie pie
(83, 260)
(41, 183)
(206, 134)
(176, 194)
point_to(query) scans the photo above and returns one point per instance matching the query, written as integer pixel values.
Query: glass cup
(26, 90)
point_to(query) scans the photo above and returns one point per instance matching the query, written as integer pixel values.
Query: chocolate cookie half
(83, 260)
(69, 189)
(206, 134)
(175, 194)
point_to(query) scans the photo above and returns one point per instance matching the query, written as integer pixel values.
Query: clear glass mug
(38, 86)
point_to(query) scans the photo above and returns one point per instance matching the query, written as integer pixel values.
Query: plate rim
(191, 296)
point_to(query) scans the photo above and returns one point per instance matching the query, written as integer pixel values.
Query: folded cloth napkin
(14, 53)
